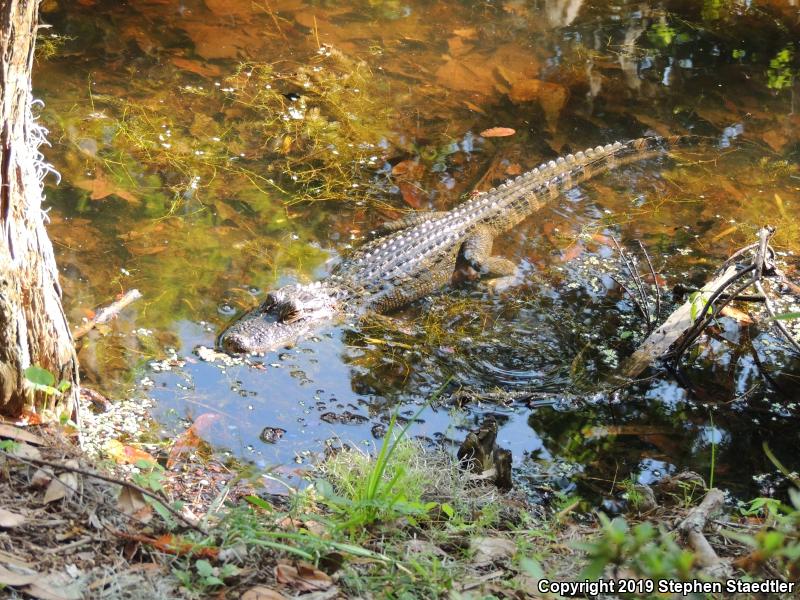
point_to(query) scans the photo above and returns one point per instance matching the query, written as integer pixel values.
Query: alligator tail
(562, 174)
(528, 193)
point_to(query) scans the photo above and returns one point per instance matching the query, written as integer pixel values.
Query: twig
(269, 11)
(637, 280)
(763, 262)
(62, 467)
(669, 333)
(655, 283)
(107, 313)
(770, 309)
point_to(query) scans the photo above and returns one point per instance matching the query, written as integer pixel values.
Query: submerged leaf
(498, 132)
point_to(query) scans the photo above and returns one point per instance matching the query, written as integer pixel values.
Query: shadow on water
(185, 147)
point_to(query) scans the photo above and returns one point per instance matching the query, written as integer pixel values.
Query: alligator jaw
(287, 314)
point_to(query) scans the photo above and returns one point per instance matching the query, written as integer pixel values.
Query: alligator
(416, 255)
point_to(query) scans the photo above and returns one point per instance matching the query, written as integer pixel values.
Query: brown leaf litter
(56, 526)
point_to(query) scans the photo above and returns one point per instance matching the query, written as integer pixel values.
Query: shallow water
(211, 151)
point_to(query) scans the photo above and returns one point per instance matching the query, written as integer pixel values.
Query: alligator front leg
(409, 220)
(477, 251)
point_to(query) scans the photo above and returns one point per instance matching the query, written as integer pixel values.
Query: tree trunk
(33, 327)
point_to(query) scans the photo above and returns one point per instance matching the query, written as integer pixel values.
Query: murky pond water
(212, 150)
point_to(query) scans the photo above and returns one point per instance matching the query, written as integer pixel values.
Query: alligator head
(287, 314)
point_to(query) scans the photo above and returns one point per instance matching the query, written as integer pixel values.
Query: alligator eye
(269, 302)
(289, 314)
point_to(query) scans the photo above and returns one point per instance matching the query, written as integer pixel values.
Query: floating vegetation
(49, 45)
(316, 132)
(322, 126)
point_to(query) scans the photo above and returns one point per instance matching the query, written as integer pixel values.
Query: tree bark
(33, 327)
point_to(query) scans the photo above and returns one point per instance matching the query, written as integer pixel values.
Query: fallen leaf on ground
(27, 417)
(491, 549)
(498, 132)
(26, 451)
(131, 502)
(13, 578)
(41, 478)
(261, 593)
(10, 519)
(173, 544)
(45, 591)
(19, 435)
(302, 577)
(328, 594)
(64, 485)
(127, 454)
(55, 491)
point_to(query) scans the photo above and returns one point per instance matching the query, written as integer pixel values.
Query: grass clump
(362, 489)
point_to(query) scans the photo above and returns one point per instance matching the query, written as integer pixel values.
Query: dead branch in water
(687, 323)
(106, 314)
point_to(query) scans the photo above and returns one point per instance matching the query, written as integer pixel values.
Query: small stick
(62, 467)
(651, 326)
(107, 313)
(771, 310)
(634, 274)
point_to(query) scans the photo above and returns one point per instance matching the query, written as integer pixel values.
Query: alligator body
(416, 255)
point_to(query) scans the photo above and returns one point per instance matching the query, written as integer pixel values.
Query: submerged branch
(106, 314)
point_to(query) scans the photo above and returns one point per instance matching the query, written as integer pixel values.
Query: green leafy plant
(204, 577)
(151, 477)
(649, 552)
(778, 539)
(246, 523)
(698, 301)
(42, 380)
(632, 495)
(790, 316)
(780, 74)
